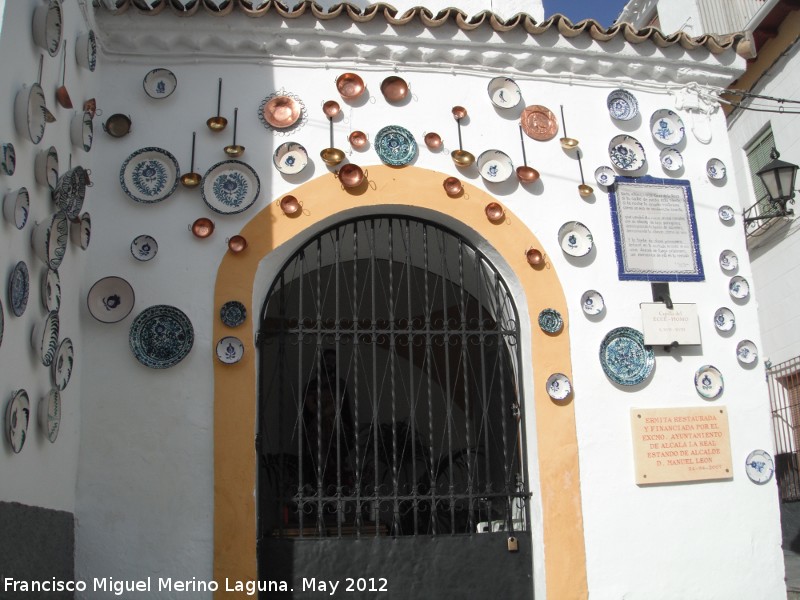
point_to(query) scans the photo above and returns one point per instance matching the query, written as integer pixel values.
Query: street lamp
(778, 178)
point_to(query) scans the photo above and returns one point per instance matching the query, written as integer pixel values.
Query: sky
(603, 11)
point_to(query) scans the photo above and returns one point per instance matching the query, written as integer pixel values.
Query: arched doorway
(390, 418)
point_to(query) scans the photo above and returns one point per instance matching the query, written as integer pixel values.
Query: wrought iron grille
(784, 396)
(390, 397)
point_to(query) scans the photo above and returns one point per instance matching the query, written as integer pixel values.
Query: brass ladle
(331, 156)
(461, 158)
(567, 143)
(583, 189)
(191, 179)
(525, 174)
(218, 123)
(234, 149)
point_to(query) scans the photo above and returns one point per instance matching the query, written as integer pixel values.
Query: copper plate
(203, 227)
(394, 88)
(539, 123)
(350, 86)
(282, 111)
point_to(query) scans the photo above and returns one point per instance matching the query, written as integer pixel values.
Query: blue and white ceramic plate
(550, 320)
(759, 466)
(110, 299)
(19, 286)
(605, 176)
(715, 169)
(592, 302)
(746, 352)
(161, 336)
(290, 158)
(160, 83)
(16, 207)
(44, 338)
(624, 357)
(144, 247)
(233, 313)
(46, 167)
(48, 21)
(495, 166)
(230, 350)
(626, 153)
(725, 213)
(728, 261)
(667, 127)
(575, 238)
(739, 287)
(230, 187)
(50, 414)
(8, 159)
(708, 382)
(70, 192)
(51, 290)
(63, 364)
(724, 319)
(18, 415)
(622, 105)
(504, 92)
(149, 175)
(2, 323)
(395, 145)
(558, 386)
(671, 159)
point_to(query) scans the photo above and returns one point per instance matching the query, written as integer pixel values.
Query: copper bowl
(534, 256)
(394, 88)
(282, 111)
(290, 205)
(203, 227)
(236, 244)
(527, 174)
(358, 139)
(452, 186)
(351, 175)
(433, 140)
(459, 112)
(331, 108)
(350, 86)
(495, 212)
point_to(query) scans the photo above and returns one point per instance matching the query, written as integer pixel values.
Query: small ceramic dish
(725, 213)
(230, 187)
(592, 302)
(18, 412)
(622, 105)
(350, 86)
(80, 231)
(49, 239)
(671, 159)
(45, 167)
(110, 299)
(86, 50)
(48, 26)
(550, 320)
(144, 247)
(605, 176)
(746, 352)
(19, 288)
(50, 414)
(30, 110)
(626, 153)
(728, 261)
(233, 313)
(149, 175)
(290, 158)
(230, 350)
(759, 466)
(724, 319)
(558, 386)
(62, 364)
(667, 127)
(708, 382)
(161, 336)
(624, 357)
(159, 83)
(16, 207)
(575, 238)
(44, 338)
(8, 160)
(739, 287)
(70, 192)
(715, 169)
(504, 92)
(495, 166)
(51, 290)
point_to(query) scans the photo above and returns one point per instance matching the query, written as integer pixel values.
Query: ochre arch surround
(235, 386)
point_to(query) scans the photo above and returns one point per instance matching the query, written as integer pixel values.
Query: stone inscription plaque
(672, 445)
(662, 326)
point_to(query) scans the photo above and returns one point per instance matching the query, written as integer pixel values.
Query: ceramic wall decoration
(715, 169)
(667, 127)
(626, 153)
(118, 125)
(46, 167)
(746, 352)
(728, 261)
(558, 386)
(149, 175)
(86, 50)
(30, 110)
(739, 287)
(671, 159)
(395, 145)
(16, 207)
(8, 159)
(110, 299)
(161, 336)
(160, 83)
(50, 414)
(282, 112)
(49, 239)
(51, 290)
(18, 413)
(622, 105)
(759, 466)
(70, 192)
(725, 214)
(495, 166)
(290, 158)
(724, 319)
(539, 123)
(81, 130)
(708, 382)
(624, 357)
(44, 338)
(233, 313)
(63, 364)
(48, 22)
(80, 231)
(18, 289)
(144, 247)
(592, 302)
(230, 187)
(550, 320)
(230, 350)
(575, 239)
(504, 92)
(605, 176)
(2, 322)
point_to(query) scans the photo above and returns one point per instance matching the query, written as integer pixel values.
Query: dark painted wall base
(36, 544)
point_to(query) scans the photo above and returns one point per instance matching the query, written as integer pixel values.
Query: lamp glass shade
(778, 177)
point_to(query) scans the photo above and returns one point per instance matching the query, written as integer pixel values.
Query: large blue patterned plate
(395, 145)
(161, 336)
(149, 175)
(19, 287)
(624, 357)
(626, 153)
(230, 187)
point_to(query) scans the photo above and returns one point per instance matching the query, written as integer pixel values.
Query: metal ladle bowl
(191, 180)
(585, 190)
(568, 143)
(234, 150)
(527, 174)
(462, 158)
(332, 156)
(217, 123)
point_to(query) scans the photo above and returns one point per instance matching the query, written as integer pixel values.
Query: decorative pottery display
(70, 192)
(739, 287)
(350, 86)
(19, 288)
(394, 89)
(81, 131)
(50, 414)
(16, 207)
(667, 127)
(575, 238)
(708, 382)
(44, 338)
(550, 320)
(746, 352)
(230, 187)
(8, 159)
(46, 167)
(160, 83)
(282, 111)
(63, 364)
(202, 227)
(51, 290)
(592, 302)
(624, 357)
(671, 159)
(622, 105)
(558, 386)
(49, 239)
(605, 176)
(290, 158)
(715, 169)
(395, 145)
(144, 247)
(149, 175)
(81, 231)
(118, 125)
(759, 466)
(48, 22)
(86, 50)
(626, 153)
(110, 299)
(18, 413)
(538, 122)
(495, 166)
(725, 213)
(161, 336)
(230, 350)
(504, 92)
(724, 319)
(233, 313)
(30, 110)
(728, 261)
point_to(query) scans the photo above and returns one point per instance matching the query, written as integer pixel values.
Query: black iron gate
(391, 449)
(784, 395)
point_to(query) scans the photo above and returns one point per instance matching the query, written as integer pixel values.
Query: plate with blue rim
(161, 336)
(667, 127)
(550, 320)
(2, 323)
(395, 145)
(708, 382)
(624, 357)
(19, 287)
(233, 313)
(626, 153)
(230, 187)
(622, 105)
(149, 175)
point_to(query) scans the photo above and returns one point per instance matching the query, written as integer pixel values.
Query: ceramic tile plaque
(662, 326)
(673, 445)
(655, 232)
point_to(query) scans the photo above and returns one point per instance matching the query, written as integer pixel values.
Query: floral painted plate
(624, 357)
(50, 414)
(759, 466)
(161, 336)
(149, 175)
(746, 352)
(159, 83)
(725, 213)
(728, 261)
(63, 363)
(715, 169)
(110, 299)
(230, 187)
(550, 320)
(44, 338)
(51, 290)
(19, 287)
(605, 175)
(622, 105)
(626, 153)
(233, 313)
(575, 238)
(708, 382)
(230, 350)
(8, 159)
(395, 145)
(46, 167)
(558, 386)
(667, 127)
(18, 413)
(671, 159)
(144, 247)
(592, 302)
(724, 319)
(739, 288)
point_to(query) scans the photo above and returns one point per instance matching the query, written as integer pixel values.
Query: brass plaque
(671, 445)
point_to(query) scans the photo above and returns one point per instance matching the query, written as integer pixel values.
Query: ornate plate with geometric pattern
(395, 145)
(149, 175)
(233, 313)
(550, 320)
(161, 336)
(624, 357)
(230, 187)
(18, 289)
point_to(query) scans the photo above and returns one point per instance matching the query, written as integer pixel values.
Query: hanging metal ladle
(567, 143)
(191, 179)
(62, 95)
(583, 189)
(525, 173)
(234, 149)
(331, 156)
(218, 123)
(461, 158)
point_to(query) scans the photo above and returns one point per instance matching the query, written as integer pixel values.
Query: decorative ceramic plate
(624, 357)
(48, 21)
(626, 153)
(30, 108)
(160, 83)
(708, 382)
(715, 169)
(759, 466)
(671, 159)
(728, 261)
(70, 192)
(290, 158)
(575, 238)
(558, 386)
(725, 213)
(2, 323)
(230, 350)
(144, 247)
(592, 302)
(161, 336)
(724, 319)
(622, 105)
(51, 290)
(282, 112)
(550, 320)
(46, 167)
(50, 414)
(49, 239)
(233, 313)
(746, 352)
(63, 363)
(82, 130)
(81, 231)
(739, 288)
(19, 287)
(667, 127)
(504, 92)
(86, 50)
(44, 338)
(149, 175)
(495, 166)
(230, 187)
(16, 207)
(18, 413)
(395, 145)
(8, 159)
(605, 176)
(110, 299)
(539, 123)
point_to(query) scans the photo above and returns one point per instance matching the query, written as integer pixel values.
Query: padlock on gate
(513, 545)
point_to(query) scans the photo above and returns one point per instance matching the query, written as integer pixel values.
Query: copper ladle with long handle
(567, 142)
(62, 95)
(525, 173)
(191, 179)
(584, 190)
(218, 123)
(461, 158)
(234, 149)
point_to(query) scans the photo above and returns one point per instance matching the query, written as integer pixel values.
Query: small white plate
(144, 247)
(290, 158)
(110, 299)
(18, 414)
(495, 166)
(746, 352)
(558, 386)
(671, 159)
(160, 83)
(725, 213)
(80, 232)
(592, 302)
(51, 290)
(46, 167)
(63, 363)
(50, 414)
(230, 350)
(575, 238)
(626, 153)
(728, 261)
(739, 288)
(667, 127)
(708, 382)
(16, 207)
(504, 92)
(715, 169)
(44, 338)
(759, 466)
(724, 319)
(605, 176)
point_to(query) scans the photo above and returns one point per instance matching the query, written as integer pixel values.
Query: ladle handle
(219, 96)
(458, 122)
(41, 62)
(64, 72)
(563, 122)
(522, 143)
(235, 120)
(580, 166)
(194, 135)
(330, 120)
